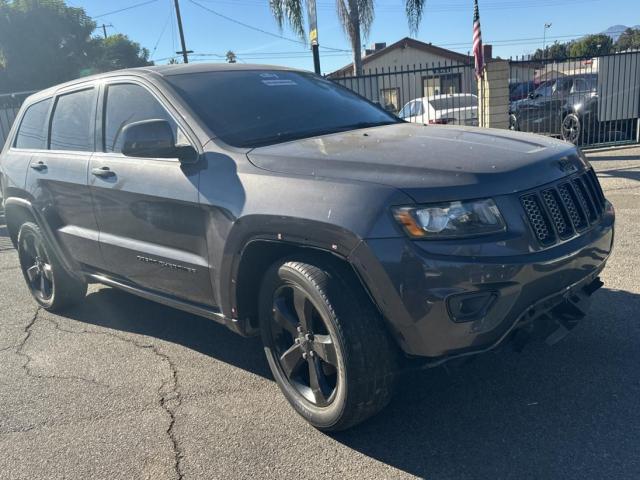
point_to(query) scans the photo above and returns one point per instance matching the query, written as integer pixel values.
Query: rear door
(57, 177)
(152, 229)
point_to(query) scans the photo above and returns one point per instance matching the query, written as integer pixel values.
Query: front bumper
(415, 288)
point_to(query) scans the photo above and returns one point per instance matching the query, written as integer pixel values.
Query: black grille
(559, 215)
(538, 219)
(562, 210)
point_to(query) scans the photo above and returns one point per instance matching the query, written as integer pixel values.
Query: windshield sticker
(268, 75)
(278, 83)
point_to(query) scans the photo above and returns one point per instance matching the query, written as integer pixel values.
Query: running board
(215, 315)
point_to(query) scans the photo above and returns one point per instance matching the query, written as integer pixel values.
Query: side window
(71, 126)
(579, 85)
(33, 128)
(128, 103)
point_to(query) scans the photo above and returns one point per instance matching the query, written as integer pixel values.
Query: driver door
(152, 229)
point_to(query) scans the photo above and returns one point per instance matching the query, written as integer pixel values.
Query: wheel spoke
(317, 381)
(291, 359)
(47, 272)
(303, 309)
(43, 286)
(284, 317)
(323, 345)
(32, 273)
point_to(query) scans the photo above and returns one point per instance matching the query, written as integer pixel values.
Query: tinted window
(128, 103)
(259, 107)
(33, 128)
(71, 127)
(449, 103)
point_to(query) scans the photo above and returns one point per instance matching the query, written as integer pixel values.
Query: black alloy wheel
(305, 349)
(571, 128)
(326, 343)
(49, 283)
(36, 266)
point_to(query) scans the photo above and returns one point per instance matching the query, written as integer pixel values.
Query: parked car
(449, 109)
(565, 106)
(355, 244)
(521, 90)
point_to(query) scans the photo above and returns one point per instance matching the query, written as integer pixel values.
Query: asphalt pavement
(121, 388)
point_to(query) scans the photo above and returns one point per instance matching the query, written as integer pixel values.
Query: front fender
(283, 230)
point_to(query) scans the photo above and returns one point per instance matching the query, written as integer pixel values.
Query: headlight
(451, 219)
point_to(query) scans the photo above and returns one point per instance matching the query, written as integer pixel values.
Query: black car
(280, 204)
(566, 106)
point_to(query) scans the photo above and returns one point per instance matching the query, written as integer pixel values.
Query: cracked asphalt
(121, 388)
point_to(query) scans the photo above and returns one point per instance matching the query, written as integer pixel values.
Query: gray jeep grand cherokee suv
(278, 203)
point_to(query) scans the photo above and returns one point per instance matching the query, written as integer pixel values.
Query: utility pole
(547, 26)
(313, 35)
(184, 52)
(104, 29)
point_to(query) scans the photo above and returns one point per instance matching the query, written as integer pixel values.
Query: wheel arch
(19, 210)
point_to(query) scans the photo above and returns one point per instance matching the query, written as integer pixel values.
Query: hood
(428, 163)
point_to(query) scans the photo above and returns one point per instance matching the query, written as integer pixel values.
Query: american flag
(477, 40)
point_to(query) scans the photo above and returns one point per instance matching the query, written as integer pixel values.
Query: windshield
(259, 107)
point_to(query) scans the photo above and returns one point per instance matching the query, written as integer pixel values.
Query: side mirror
(154, 139)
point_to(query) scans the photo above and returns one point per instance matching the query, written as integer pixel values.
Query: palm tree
(356, 17)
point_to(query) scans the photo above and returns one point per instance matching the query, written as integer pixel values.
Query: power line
(257, 29)
(164, 28)
(125, 8)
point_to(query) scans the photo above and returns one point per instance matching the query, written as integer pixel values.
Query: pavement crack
(169, 394)
(28, 330)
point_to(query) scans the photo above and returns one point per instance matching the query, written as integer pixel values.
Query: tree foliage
(356, 17)
(629, 40)
(45, 42)
(590, 46)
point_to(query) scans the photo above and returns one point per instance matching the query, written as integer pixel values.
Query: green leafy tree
(629, 40)
(231, 57)
(117, 51)
(45, 42)
(591, 46)
(557, 51)
(356, 17)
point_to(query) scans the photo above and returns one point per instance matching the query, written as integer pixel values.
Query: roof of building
(404, 43)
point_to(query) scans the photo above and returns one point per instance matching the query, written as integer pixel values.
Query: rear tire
(326, 343)
(48, 282)
(571, 128)
(513, 123)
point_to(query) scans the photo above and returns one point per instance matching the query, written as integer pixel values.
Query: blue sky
(515, 27)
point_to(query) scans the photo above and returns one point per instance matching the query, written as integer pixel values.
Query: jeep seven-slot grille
(565, 209)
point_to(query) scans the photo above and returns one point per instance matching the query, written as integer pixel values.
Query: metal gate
(588, 101)
(444, 93)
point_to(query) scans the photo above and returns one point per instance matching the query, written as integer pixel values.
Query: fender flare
(59, 251)
(278, 230)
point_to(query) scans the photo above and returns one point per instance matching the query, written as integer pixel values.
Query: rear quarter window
(32, 132)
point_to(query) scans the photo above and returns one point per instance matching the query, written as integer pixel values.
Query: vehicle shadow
(117, 310)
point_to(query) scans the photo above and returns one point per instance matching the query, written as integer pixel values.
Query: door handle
(39, 167)
(103, 172)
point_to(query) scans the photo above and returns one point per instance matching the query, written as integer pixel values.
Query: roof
(403, 43)
(162, 70)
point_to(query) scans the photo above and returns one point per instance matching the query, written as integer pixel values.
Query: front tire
(326, 344)
(48, 282)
